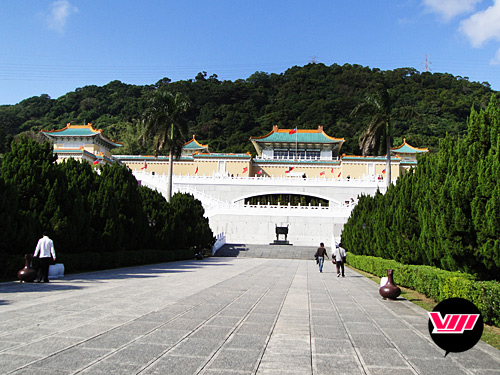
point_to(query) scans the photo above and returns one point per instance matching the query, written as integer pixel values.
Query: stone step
(267, 251)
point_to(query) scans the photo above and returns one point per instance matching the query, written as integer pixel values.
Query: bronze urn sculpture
(27, 274)
(390, 289)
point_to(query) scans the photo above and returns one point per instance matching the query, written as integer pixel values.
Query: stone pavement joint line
(221, 316)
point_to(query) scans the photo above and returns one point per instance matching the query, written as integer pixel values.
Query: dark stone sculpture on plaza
(390, 289)
(281, 231)
(27, 274)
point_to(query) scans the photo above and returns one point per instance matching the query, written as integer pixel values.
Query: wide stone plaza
(221, 315)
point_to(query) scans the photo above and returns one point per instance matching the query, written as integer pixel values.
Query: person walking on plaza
(339, 255)
(321, 252)
(44, 247)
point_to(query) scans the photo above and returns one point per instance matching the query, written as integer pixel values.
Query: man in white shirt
(44, 247)
(339, 254)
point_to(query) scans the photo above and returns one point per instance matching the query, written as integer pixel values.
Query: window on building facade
(292, 154)
(280, 154)
(312, 154)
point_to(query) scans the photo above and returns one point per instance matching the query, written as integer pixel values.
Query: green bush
(436, 283)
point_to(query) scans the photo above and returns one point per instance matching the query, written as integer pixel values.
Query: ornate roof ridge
(68, 125)
(410, 146)
(89, 126)
(303, 131)
(196, 142)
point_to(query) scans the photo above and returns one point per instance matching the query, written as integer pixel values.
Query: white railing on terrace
(276, 210)
(206, 199)
(161, 186)
(217, 179)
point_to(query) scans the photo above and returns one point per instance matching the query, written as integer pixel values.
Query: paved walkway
(217, 316)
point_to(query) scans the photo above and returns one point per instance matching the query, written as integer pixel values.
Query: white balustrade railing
(215, 179)
(280, 210)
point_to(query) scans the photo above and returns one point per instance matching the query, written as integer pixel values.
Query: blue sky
(55, 46)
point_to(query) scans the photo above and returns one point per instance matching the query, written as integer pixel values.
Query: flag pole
(296, 152)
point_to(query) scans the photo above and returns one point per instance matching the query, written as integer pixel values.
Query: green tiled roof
(193, 144)
(405, 148)
(80, 131)
(368, 158)
(76, 132)
(149, 157)
(223, 156)
(299, 136)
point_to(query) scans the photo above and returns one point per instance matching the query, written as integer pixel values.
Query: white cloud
(483, 26)
(449, 9)
(496, 59)
(60, 10)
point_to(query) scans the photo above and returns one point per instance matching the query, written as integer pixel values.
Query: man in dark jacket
(321, 252)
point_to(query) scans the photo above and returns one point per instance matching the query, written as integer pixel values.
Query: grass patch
(491, 335)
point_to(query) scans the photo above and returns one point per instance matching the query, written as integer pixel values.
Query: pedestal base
(280, 242)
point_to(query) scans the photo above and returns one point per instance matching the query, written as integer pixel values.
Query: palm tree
(379, 106)
(163, 123)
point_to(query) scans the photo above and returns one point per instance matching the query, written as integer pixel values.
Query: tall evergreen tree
(444, 213)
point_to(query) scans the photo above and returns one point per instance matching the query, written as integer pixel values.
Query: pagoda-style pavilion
(297, 144)
(407, 152)
(82, 142)
(193, 146)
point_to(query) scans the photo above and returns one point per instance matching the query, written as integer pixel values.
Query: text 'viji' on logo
(453, 323)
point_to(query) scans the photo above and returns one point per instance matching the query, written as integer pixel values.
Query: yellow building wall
(184, 168)
(205, 167)
(395, 171)
(354, 170)
(310, 171)
(269, 171)
(236, 167)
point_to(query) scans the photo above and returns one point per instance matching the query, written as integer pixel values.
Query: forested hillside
(225, 114)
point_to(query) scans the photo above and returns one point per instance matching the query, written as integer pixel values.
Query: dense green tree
(30, 167)
(187, 224)
(157, 211)
(9, 216)
(100, 209)
(443, 213)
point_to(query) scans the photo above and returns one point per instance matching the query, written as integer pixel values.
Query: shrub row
(93, 261)
(436, 283)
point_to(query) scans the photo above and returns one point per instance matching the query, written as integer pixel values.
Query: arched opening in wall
(285, 199)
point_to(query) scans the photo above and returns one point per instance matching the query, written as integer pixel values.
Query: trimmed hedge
(436, 283)
(93, 261)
